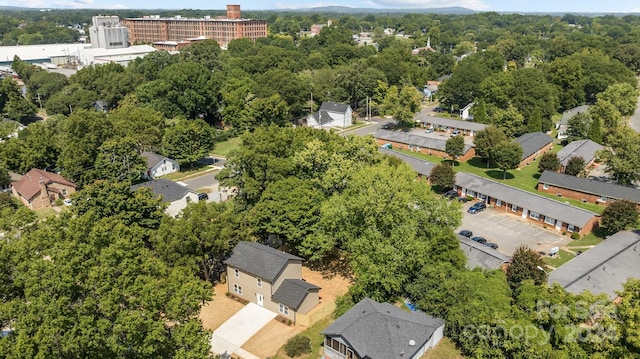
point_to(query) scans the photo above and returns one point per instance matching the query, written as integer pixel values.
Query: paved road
(207, 180)
(634, 121)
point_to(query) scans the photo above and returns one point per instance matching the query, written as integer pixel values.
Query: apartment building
(153, 28)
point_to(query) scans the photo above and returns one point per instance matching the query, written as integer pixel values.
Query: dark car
(477, 207)
(466, 233)
(480, 240)
(203, 196)
(491, 245)
(463, 199)
(439, 110)
(450, 194)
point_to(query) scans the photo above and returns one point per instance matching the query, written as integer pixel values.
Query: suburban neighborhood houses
(334, 183)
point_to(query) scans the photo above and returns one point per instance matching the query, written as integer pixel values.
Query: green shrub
(58, 202)
(343, 304)
(575, 235)
(297, 345)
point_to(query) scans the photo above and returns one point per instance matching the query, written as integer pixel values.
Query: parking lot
(509, 231)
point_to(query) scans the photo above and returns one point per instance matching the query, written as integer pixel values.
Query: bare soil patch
(218, 310)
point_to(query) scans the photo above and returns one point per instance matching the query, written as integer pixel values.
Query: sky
(573, 6)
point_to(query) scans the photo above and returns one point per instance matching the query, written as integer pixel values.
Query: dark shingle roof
(523, 199)
(259, 260)
(532, 142)
(169, 190)
(334, 107)
(591, 186)
(152, 159)
(603, 268)
(415, 140)
(292, 292)
(450, 122)
(421, 167)
(568, 114)
(479, 255)
(381, 331)
(584, 148)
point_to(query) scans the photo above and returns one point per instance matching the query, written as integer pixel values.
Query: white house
(176, 195)
(158, 165)
(331, 114)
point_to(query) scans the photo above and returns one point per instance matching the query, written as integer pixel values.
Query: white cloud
(26, 3)
(427, 4)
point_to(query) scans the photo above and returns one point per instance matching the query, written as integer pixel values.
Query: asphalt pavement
(634, 121)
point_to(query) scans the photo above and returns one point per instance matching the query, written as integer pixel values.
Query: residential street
(634, 121)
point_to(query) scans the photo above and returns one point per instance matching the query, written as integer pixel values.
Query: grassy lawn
(444, 350)
(46, 212)
(525, 178)
(591, 239)
(313, 333)
(186, 171)
(222, 149)
(559, 259)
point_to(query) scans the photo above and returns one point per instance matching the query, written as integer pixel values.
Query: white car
(67, 202)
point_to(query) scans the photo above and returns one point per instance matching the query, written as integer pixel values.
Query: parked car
(463, 199)
(456, 133)
(491, 245)
(480, 240)
(429, 130)
(477, 207)
(466, 233)
(439, 110)
(67, 202)
(203, 196)
(450, 194)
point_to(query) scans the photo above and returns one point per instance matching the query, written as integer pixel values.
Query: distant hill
(455, 10)
(14, 8)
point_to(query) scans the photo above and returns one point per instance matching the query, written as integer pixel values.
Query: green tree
(206, 53)
(579, 126)
(595, 130)
(507, 156)
(607, 113)
(574, 166)
(622, 96)
(5, 178)
(549, 162)
(525, 264)
(443, 176)
(486, 140)
(629, 313)
(187, 141)
(266, 111)
(622, 160)
(619, 215)
(455, 147)
(119, 160)
(142, 125)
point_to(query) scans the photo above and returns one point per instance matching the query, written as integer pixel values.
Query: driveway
(231, 335)
(510, 231)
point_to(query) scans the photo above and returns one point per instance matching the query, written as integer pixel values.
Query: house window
(549, 220)
(64, 192)
(259, 282)
(545, 186)
(534, 215)
(471, 193)
(514, 208)
(571, 228)
(498, 203)
(236, 273)
(481, 196)
(603, 199)
(284, 309)
(237, 289)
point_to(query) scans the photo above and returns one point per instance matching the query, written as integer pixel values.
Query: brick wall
(535, 155)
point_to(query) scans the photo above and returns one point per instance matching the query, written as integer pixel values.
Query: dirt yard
(275, 334)
(221, 308)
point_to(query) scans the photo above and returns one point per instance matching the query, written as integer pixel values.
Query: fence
(313, 317)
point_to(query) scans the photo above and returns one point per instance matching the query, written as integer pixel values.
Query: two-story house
(270, 278)
(38, 189)
(331, 114)
(158, 165)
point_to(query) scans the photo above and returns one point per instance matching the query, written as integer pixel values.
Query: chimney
(233, 11)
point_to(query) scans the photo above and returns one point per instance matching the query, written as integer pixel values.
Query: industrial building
(153, 28)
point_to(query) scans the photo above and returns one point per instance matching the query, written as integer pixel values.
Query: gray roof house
(583, 148)
(372, 330)
(415, 140)
(422, 168)
(603, 268)
(331, 114)
(158, 165)
(585, 188)
(533, 144)
(479, 255)
(178, 196)
(568, 114)
(270, 278)
(540, 209)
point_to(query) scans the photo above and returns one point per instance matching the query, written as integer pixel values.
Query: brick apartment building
(153, 28)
